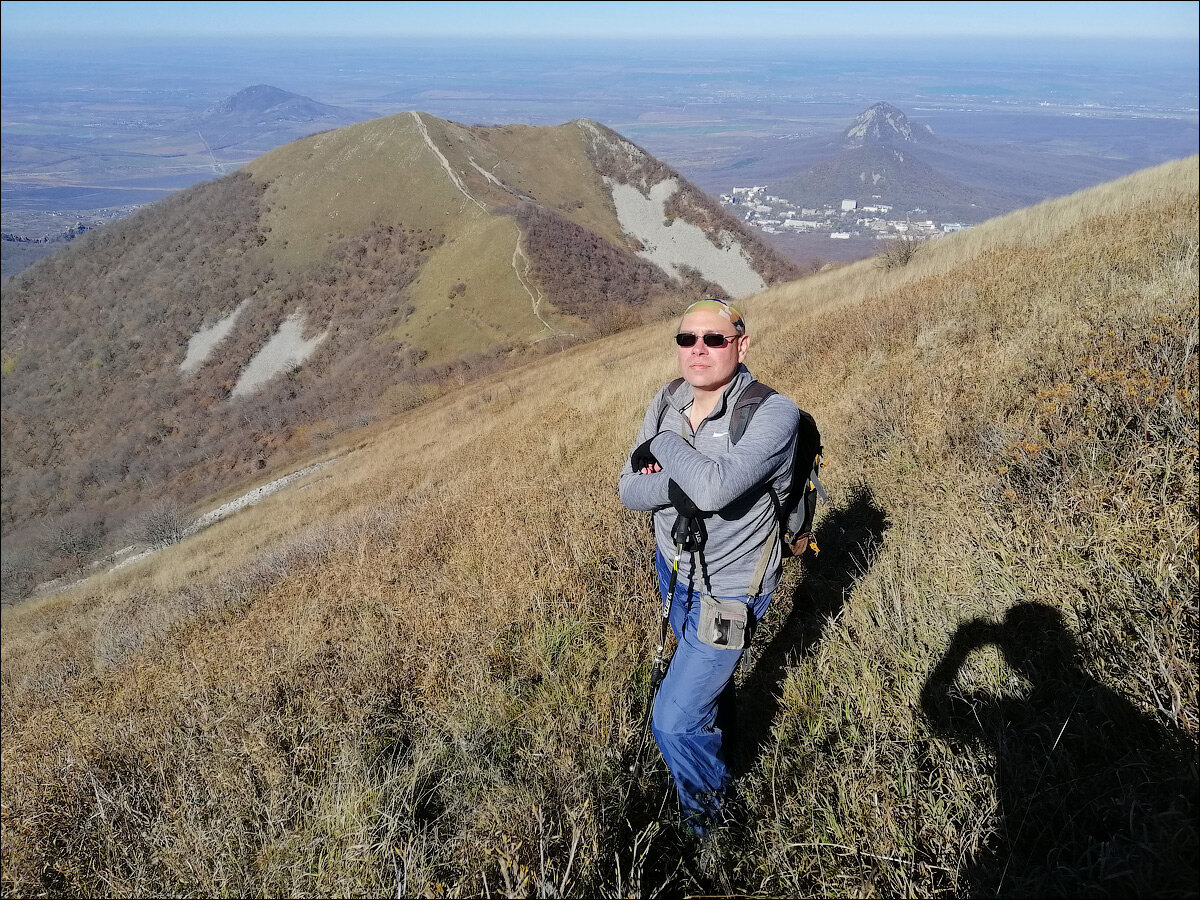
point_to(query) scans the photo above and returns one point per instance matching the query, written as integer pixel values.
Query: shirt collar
(682, 398)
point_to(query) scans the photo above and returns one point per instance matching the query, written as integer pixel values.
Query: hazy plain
(91, 130)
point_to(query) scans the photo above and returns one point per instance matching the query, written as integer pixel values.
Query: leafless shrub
(159, 525)
(668, 307)
(900, 252)
(614, 319)
(73, 538)
(696, 285)
(20, 568)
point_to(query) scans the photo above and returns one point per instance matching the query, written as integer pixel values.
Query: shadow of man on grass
(1095, 797)
(848, 536)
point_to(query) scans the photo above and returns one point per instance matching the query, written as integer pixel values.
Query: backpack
(797, 508)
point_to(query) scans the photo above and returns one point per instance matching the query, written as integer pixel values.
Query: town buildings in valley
(776, 215)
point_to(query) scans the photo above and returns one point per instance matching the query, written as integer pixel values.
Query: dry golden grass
(548, 163)
(420, 674)
(451, 324)
(329, 184)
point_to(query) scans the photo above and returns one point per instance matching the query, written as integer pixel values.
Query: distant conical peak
(261, 95)
(264, 90)
(883, 123)
(262, 99)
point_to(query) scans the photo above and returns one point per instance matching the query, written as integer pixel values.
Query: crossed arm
(712, 484)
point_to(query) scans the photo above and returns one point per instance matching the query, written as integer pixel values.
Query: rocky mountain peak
(883, 123)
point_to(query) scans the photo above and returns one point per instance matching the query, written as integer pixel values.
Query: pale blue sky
(37, 21)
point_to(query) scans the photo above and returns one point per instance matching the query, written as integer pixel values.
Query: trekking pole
(688, 534)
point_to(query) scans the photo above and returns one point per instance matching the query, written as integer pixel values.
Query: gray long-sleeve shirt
(726, 481)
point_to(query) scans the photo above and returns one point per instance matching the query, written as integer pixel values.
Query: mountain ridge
(249, 105)
(264, 114)
(345, 275)
(884, 158)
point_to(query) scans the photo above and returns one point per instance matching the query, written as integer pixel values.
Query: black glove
(682, 502)
(642, 456)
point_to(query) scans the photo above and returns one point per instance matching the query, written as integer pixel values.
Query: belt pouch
(724, 624)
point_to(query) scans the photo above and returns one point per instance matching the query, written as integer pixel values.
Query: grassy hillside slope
(421, 673)
(341, 182)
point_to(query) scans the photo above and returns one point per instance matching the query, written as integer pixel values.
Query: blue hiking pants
(685, 709)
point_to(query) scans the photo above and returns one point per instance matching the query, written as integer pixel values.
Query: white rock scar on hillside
(202, 343)
(682, 243)
(286, 349)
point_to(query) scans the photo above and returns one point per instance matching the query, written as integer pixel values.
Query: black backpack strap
(745, 408)
(672, 387)
(806, 484)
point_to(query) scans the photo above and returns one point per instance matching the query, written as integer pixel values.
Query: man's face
(709, 368)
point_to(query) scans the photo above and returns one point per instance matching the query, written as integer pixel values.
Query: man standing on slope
(684, 463)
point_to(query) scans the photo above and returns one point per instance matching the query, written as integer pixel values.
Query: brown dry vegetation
(584, 275)
(422, 673)
(143, 286)
(99, 420)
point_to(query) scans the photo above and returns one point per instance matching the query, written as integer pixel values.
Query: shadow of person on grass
(1095, 797)
(848, 537)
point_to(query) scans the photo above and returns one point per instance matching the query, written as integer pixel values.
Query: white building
(848, 205)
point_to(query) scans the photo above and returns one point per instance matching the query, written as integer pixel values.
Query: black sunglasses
(711, 338)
